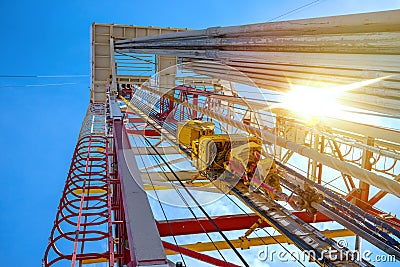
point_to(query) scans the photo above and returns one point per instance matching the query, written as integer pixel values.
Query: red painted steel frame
(225, 223)
(121, 242)
(198, 255)
(83, 226)
(145, 132)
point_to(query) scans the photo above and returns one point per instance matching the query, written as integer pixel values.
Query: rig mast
(200, 113)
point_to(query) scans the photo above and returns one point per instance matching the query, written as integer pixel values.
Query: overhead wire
(62, 76)
(135, 57)
(37, 85)
(295, 10)
(45, 76)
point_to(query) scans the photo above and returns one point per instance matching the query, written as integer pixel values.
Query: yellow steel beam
(90, 191)
(97, 260)
(253, 227)
(246, 243)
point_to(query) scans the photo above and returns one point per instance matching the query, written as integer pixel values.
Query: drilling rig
(195, 113)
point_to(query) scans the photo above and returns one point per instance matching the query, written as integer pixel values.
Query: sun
(314, 102)
(310, 102)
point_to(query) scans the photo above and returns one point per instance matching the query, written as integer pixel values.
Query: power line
(37, 85)
(45, 76)
(295, 10)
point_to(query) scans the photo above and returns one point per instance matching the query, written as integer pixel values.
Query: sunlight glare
(309, 101)
(314, 102)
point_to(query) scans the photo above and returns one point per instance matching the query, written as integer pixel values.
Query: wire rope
(186, 203)
(197, 204)
(162, 208)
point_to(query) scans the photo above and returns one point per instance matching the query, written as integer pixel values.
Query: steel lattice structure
(83, 220)
(147, 82)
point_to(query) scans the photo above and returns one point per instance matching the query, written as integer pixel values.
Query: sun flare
(312, 102)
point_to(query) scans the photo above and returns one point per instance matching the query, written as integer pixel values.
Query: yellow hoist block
(189, 131)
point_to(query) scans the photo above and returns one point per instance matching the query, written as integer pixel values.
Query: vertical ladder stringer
(82, 230)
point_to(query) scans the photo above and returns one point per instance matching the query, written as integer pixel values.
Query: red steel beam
(391, 219)
(146, 132)
(198, 256)
(225, 223)
(135, 120)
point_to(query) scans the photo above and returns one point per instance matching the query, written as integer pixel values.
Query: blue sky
(39, 125)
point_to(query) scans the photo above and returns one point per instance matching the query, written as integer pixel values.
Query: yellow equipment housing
(246, 153)
(189, 131)
(267, 167)
(211, 153)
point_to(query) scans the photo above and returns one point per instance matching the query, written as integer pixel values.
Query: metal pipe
(371, 107)
(367, 22)
(387, 63)
(391, 87)
(351, 225)
(373, 100)
(381, 42)
(340, 200)
(373, 103)
(358, 73)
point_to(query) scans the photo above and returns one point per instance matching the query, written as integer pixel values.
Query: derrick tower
(229, 138)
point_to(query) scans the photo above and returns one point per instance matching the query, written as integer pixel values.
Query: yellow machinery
(209, 153)
(193, 130)
(244, 158)
(212, 153)
(239, 154)
(267, 173)
(267, 168)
